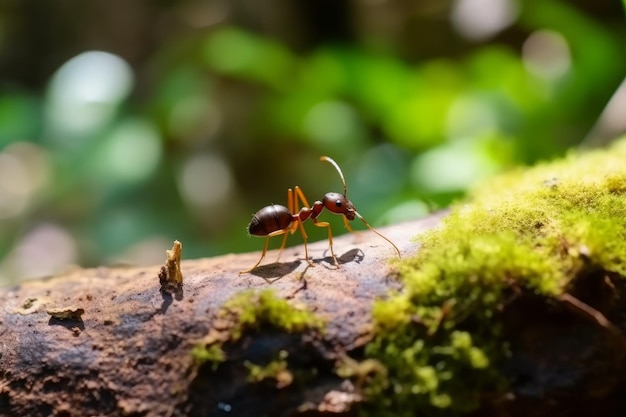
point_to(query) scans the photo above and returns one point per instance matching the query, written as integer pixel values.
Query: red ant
(276, 220)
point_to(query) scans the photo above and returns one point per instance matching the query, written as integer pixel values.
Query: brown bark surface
(112, 342)
(108, 341)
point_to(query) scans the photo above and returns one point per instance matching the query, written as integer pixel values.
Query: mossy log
(114, 341)
(121, 342)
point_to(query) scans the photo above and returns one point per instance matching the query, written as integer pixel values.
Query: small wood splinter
(170, 275)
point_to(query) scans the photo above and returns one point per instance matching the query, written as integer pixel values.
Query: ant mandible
(276, 220)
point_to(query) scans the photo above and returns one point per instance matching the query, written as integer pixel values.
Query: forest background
(126, 125)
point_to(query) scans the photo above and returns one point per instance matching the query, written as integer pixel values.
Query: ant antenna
(345, 192)
(329, 159)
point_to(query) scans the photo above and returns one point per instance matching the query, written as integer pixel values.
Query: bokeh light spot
(205, 180)
(148, 251)
(201, 14)
(85, 92)
(452, 167)
(382, 171)
(194, 117)
(481, 19)
(333, 123)
(130, 153)
(15, 186)
(546, 54)
(24, 169)
(470, 116)
(408, 210)
(51, 246)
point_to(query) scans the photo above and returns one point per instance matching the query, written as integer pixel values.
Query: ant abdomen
(270, 219)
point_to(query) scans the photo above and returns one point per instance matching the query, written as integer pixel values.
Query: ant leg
(299, 194)
(304, 238)
(292, 228)
(282, 246)
(347, 224)
(290, 201)
(267, 241)
(297, 223)
(330, 239)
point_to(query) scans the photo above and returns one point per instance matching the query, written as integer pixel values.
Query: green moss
(208, 353)
(254, 309)
(276, 369)
(249, 311)
(534, 230)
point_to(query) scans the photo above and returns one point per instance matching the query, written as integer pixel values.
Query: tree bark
(119, 341)
(109, 341)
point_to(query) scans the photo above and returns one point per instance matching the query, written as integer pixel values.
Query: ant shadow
(275, 271)
(69, 324)
(170, 292)
(353, 255)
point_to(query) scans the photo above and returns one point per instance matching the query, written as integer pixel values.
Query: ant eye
(338, 203)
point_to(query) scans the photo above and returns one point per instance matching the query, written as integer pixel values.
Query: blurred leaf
(412, 110)
(129, 153)
(183, 104)
(19, 118)
(235, 52)
(415, 115)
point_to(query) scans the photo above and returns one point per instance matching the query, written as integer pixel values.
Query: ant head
(335, 202)
(339, 204)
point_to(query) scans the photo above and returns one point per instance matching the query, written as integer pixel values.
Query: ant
(276, 220)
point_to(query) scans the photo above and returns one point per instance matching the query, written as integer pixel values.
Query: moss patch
(250, 311)
(261, 357)
(534, 231)
(276, 369)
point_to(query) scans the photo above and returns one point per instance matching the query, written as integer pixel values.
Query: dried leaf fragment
(66, 313)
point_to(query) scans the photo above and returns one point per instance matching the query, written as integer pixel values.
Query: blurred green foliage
(200, 113)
